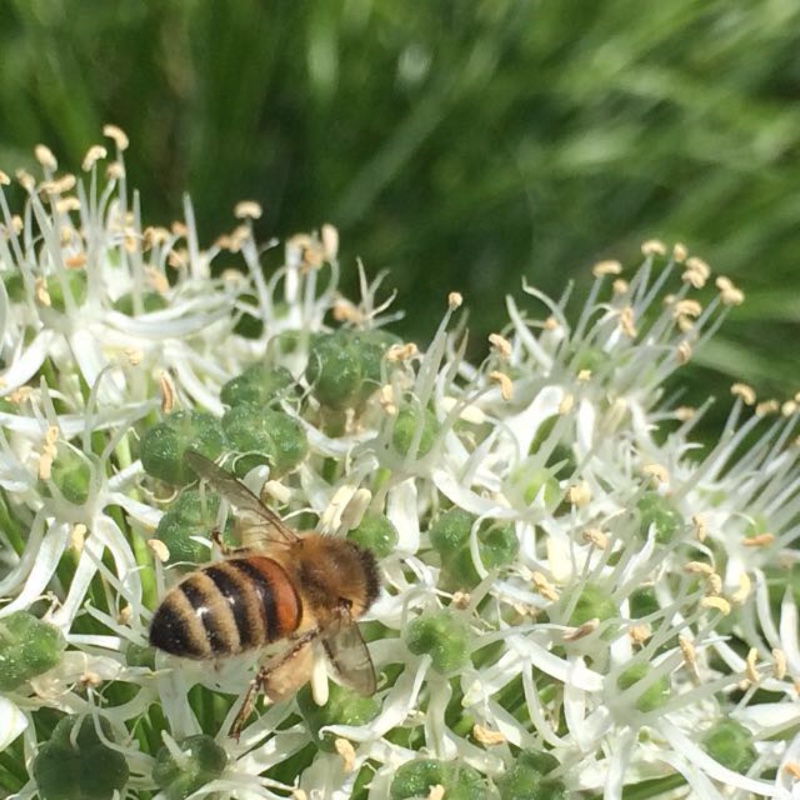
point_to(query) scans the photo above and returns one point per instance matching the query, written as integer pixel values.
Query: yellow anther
(501, 345)
(659, 474)
(653, 247)
(44, 155)
(639, 634)
(159, 549)
(767, 407)
(713, 585)
(750, 669)
(566, 404)
(740, 595)
(698, 568)
(745, 392)
(348, 753)
(729, 295)
(717, 603)
(679, 252)
(330, 241)
(579, 495)
(684, 351)
(455, 300)
(544, 587)
(247, 209)
(41, 293)
(506, 387)
(620, 287)
(118, 135)
(761, 540)
(596, 537)
(486, 736)
(779, 664)
(94, 154)
(687, 308)
(167, 392)
(606, 268)
(627, 322)
(582, 630)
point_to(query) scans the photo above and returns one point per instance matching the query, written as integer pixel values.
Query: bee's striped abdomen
(226, 608)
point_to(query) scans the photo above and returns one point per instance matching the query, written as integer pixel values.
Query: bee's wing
(349, 655)
(250, 509)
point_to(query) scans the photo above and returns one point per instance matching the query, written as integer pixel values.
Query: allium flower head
(576, 596)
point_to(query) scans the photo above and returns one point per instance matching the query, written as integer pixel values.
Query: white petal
(12, 722)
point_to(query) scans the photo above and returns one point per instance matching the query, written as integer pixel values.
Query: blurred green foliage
(460, 144)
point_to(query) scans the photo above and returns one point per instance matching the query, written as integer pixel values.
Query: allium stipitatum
(577, 600)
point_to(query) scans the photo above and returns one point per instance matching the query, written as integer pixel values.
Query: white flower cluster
(575, 595)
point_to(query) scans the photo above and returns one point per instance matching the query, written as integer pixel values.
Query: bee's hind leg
(261, 680)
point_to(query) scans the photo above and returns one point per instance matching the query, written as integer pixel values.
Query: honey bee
(299, 588)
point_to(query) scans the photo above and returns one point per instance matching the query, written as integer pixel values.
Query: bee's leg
(225, 549)
(262, 676)
(216, 538)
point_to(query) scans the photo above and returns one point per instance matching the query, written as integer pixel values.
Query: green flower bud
(72, 475)
(258, 430)
(406, 427)
(344, 707)
(138, 655)
(193, 514)
(526, 779)
(530, 481)
(375, 533)
(444, 636)
(730, 743)
(346, 367)
(334, 371)
(204, 761)
(249, 325)
(497, 544)
(259, 385)
(76, 286)
(592, 603)
(655, 696)
(415, 779)
(85, 770)
(590, 358)
(148, 303)
(371, 347)
(643, 602)
(450, 532)
(28, 647)
(15, 286)
(163, 445)
(658, 511)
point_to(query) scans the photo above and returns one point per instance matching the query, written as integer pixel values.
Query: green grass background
(459, 144)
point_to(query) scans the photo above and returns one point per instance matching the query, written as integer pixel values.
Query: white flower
(564, 572)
